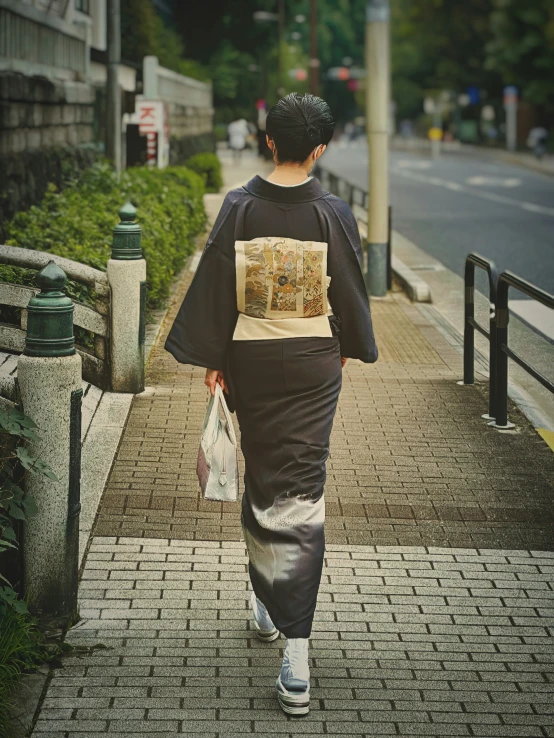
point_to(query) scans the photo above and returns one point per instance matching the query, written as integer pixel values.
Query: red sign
(343, 73)
(301, 74)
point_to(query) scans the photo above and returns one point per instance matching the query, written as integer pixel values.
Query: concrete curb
(416, 289)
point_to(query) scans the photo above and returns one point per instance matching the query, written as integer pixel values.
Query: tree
(440, 45)
(143, 33)
(521, 50)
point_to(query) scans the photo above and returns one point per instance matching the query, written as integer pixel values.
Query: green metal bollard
(127, 278)
(50, 316)
(126, 235)
(49, 377)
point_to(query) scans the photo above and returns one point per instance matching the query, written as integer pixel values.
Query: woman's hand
(213, 377)
(343, 361)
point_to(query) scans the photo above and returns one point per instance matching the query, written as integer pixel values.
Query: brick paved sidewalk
(412, 462)
(437, 604)
(407, 642)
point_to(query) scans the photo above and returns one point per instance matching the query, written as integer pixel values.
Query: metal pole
(469, 330)
(510, 106)
(501, 379)
(437, 124)
(113, 94)
(511, 127)
(389, 251)
(493, 356)
(377, 102)
(314, 60)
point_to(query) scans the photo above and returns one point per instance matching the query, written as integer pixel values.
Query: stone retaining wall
(45, 128)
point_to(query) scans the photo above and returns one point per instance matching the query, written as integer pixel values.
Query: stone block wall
(191, 131)
(46, 129)
(183, 148)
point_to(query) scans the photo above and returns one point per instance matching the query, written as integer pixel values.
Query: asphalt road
(460, 203)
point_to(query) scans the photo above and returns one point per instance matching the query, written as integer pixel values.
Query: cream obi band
(284, 282)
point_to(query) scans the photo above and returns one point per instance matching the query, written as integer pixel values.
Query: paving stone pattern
(412, 462)
(408, 641)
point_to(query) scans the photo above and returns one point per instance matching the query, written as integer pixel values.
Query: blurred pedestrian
(537, 140)
(238, 133)
(277, 305)
(263, 149)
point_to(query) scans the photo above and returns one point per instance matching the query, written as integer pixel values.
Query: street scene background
(123, 593)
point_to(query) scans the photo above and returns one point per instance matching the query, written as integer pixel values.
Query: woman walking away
(277, 305)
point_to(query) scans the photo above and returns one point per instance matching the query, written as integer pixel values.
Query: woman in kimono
(277, 306)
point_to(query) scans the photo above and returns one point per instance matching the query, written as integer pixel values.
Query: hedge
(26, 175)
(77, 222)
(208, 167)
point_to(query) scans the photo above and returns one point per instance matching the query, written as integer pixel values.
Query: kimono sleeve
(347, 292)
(206, 320)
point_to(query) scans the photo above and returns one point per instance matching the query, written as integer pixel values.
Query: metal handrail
(505, 281)
(470, 325)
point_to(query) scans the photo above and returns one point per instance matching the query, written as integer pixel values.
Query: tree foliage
(522, 47)
(143, 33)
(436, 45)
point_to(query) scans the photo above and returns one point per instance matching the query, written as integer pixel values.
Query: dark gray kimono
(285, 391)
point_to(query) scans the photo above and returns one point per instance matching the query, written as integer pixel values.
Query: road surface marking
(481, 181)
(548, 436)
(484, 195)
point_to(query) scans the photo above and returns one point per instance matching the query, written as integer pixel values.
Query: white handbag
(217, 467)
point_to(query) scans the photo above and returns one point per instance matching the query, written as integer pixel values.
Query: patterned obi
(282, 288)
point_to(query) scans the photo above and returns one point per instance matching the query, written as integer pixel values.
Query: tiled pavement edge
(410, 639)
(407, 642)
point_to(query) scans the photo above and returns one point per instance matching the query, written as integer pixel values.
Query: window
(83, 6)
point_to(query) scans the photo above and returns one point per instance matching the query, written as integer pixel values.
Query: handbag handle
(220, 398)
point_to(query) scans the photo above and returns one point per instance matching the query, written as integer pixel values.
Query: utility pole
(113, 94)
(377, 55)
(510, 106)
(314, 60)
(280, 41)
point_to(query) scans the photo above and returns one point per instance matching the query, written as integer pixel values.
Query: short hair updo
(297, 124)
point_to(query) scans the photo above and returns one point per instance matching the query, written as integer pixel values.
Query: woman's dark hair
(297, 124)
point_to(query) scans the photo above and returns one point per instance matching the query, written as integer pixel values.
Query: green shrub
(22, 647)
(21, 644)
(207, 166)
(77, 223)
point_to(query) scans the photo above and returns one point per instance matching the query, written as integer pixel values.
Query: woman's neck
(289, 174)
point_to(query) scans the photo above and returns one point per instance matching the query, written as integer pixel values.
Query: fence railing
(497, 334)
(505, 281)
(94, 319)
(171, 87)
(33, 37)
(111, 340)
(471, 325)
(358, 199)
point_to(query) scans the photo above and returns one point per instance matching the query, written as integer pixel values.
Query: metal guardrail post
(389, 251)
(49, 377)
(504, 352)
(470, 325)
(127, 277)
(469, 317)
(501, 389)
